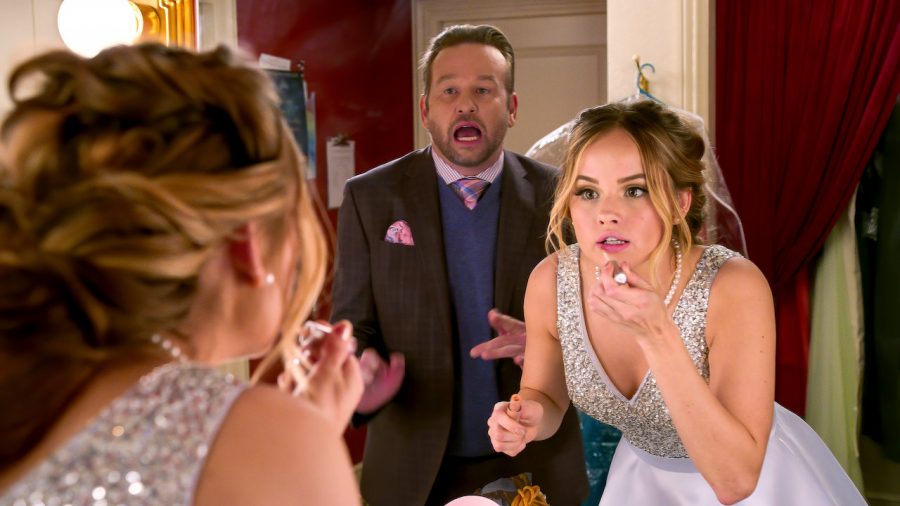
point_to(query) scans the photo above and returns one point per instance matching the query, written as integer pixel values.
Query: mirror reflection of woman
(155, 221)
(680, 357)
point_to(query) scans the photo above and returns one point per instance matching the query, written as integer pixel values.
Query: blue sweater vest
(470, 238)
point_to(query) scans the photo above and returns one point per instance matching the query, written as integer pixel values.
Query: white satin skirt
(798, 469)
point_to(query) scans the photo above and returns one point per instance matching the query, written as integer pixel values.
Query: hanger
(641, 81)
(714, 186)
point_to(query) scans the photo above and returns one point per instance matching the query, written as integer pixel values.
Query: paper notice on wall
(340, 160)
(271, 62)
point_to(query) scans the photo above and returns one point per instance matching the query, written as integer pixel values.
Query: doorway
(560, 57)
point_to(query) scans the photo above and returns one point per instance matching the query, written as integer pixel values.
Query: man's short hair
(469, 34)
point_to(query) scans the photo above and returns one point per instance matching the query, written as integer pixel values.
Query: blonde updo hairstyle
(120, 175)
(671, 155)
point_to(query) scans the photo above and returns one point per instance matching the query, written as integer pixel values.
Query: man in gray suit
(428, 244)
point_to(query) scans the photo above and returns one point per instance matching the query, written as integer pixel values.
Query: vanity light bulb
(89, 26)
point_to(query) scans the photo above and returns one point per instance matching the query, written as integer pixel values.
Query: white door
(560, 48)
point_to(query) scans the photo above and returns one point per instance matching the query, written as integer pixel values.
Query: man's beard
(489, 145)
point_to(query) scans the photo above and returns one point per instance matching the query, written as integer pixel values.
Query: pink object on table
(472, 500)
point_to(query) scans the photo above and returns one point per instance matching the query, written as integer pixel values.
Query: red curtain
(803, 91)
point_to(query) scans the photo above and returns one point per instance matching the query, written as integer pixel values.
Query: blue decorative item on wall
(292, 91)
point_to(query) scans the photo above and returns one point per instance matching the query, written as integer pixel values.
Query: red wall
(358, 56)
(358, 61)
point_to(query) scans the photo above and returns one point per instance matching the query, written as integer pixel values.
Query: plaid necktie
(469, 190)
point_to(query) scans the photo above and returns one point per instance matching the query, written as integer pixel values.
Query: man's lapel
(421, 198)
(517, 208)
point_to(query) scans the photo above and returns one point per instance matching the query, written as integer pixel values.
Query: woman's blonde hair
(120, 176)
(671, 155)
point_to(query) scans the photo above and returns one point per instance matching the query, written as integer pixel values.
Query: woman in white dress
(155, 221)
(671, 342)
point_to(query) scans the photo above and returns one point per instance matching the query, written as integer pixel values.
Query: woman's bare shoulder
(740, 303)
(544, 273)
(738, 279)
(277, 449)
(540, 296)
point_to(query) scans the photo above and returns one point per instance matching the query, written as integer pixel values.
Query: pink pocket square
(399, 233)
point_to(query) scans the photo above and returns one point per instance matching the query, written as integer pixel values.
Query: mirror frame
(172, 22)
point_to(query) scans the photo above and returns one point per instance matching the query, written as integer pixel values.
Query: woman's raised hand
(514, 424)
(635, 306)
(322, 367)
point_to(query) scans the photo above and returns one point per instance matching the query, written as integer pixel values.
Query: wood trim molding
(172, 22)
(696, 72)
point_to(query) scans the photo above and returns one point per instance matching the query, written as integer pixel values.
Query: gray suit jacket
(397, 298)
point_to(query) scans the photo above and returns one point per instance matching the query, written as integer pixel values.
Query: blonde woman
(670, 341)
(155, 221)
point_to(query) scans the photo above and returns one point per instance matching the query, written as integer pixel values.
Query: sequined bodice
(147, 447)
(644, 419)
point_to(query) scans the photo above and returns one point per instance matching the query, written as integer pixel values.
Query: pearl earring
(269, 279)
